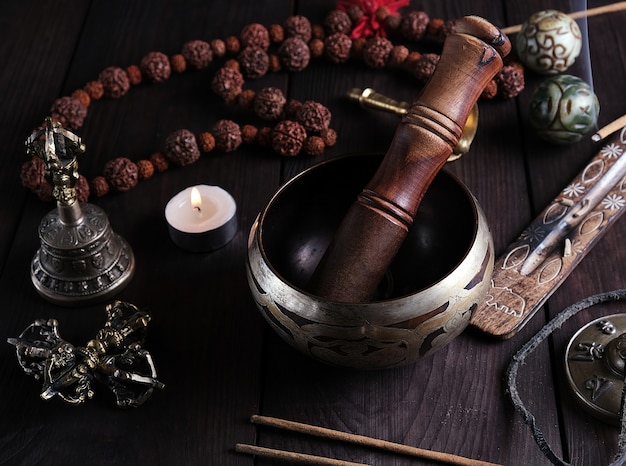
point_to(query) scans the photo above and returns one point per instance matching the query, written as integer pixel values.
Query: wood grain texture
(218, 359)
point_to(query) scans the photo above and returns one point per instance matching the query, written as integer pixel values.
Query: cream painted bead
(549, 42)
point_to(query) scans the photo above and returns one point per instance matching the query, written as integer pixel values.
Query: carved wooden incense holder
(553, 244)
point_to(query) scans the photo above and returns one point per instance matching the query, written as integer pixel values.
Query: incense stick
(292, 457)
(609, 129)
(366, 441)
(611, 8)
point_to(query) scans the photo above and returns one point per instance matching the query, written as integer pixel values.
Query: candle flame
(196, 200)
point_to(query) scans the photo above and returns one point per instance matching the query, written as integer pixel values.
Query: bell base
(79, 291)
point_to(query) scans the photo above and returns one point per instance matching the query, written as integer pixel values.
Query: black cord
(529, 347)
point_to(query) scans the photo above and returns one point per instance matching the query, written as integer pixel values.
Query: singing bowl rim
(381, 312)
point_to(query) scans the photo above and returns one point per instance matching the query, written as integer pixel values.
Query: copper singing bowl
(438, 277)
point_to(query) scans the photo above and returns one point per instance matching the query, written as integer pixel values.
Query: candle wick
(197, 208)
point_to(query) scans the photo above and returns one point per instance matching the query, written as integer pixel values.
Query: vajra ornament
(115, 357)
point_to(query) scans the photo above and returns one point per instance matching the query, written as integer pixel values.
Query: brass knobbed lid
(594, 365)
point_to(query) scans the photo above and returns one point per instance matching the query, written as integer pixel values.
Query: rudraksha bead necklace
(354, 30)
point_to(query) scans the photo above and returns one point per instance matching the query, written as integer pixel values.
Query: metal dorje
(115, 357)
(594, 365)
(81, 259)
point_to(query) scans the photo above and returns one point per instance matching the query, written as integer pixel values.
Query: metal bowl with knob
(437, 278)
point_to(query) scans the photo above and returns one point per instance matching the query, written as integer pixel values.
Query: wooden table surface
(219, 360)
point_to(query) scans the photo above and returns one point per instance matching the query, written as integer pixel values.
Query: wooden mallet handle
(378, 221)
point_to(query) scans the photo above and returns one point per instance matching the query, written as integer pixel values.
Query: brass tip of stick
(369, 98)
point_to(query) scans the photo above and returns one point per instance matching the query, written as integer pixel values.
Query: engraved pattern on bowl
(419, 310)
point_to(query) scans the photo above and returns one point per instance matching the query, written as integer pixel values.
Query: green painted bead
(549, 42)
(563, 109)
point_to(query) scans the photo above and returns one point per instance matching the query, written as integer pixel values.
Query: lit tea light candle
(201, 218)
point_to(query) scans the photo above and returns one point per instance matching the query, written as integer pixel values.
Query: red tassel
(368, 25)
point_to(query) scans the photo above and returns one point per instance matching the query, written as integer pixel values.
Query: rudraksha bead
(435, 29)
(313, 116)
(227, 83)
(233, 46)
(411, 60)
(249, 134)
(393, 22)
(288, 137)
(316, 47)
(264, 137)
(254, 62)
(145, 169)
(414, 25)
(313, 145)
(338, 21)
(376, 52)
(197, 53)
(291, 108)
(178, 63)
(159, 161)
(358, 46)
(121, 173)
(134, 75)
(155, 66)
(32, 173)
(298, 26)
(425, 66)
(181, 147)
(95, 89)
(337, 47)
(355, 13)
(255, 35)
(44, 192)
(82, 96)
(227, 135)
(206, 141)
(318, 32)
(269, 103)
(114, 81)
(510, 80)
(277, 33)
(398, 55)
(245, 99)
(99, 186)
(82, 189)
(218, 47)
(69, 112)
(449, 27)
(329, 136)
(275, 65)
(381, 13)
(294, 54)
(232, 63)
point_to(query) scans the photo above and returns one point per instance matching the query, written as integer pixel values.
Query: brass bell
(81, 260)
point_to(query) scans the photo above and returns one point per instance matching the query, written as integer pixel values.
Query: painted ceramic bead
(563, 109)
(549, 42)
